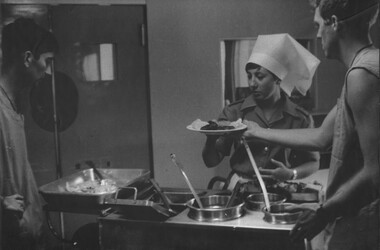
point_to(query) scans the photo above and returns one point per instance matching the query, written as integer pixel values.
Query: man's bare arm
(363, 99)
(310, 139)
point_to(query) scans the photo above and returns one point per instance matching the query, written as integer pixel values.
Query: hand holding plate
(221, 128)
(252, 128)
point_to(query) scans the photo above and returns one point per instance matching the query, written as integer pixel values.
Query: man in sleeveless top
(351, 209)
(27, 50)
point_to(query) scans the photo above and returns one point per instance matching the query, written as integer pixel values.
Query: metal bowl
(278, 215)
(214, 208)
(255, 202)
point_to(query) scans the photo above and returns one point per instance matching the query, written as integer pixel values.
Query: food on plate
(216, 125)
(197, 124)
(93, 187)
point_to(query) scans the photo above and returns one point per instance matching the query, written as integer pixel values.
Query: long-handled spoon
(235, 192)
(180, 167)
(161, 193)
(257, 172)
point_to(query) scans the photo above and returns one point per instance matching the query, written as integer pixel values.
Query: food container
(59, 198)
(255, 202)
(178, 199)
(298, 192)
(139, 209)
(278, 215)
(306, 195)
(214, 209)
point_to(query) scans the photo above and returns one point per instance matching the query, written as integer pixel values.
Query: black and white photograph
(189, 125)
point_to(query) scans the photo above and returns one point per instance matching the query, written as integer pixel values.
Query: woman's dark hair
(250, 66)
(25, 35)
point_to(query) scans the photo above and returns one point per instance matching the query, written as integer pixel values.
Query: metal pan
(177, 197)
(139, 209)
(59, 199)
(307, 195)
(296, 192)
(255, 202)
(214, 208)
(278, 215)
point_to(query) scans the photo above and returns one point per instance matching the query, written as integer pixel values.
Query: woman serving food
(278, 64)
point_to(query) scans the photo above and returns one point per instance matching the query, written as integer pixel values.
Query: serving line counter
(180, 232)
(143, 222)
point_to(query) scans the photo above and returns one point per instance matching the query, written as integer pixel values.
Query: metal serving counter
(138, 224)
(250, 220)
(180, 232)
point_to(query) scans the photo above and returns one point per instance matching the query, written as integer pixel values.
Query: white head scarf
(287, 59)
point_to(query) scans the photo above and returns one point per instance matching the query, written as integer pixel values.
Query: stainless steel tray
(58, 198)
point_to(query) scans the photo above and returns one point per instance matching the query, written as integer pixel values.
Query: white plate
(218, 132)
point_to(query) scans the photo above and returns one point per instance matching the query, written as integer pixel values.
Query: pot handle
(134, 192)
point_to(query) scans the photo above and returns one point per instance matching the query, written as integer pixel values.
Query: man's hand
(14, 202)
(280, 173)
(309, 224)
(252, 127)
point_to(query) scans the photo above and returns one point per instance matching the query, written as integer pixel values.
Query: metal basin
(177, 200)
(255, 202)
(57, 196)
(278, 215)
(214, 209)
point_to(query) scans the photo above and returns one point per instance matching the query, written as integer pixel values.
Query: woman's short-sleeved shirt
(288, 116)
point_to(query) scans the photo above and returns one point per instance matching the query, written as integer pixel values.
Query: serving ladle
(180, 167)
(235, 192)
(258, 175)
(163, 196)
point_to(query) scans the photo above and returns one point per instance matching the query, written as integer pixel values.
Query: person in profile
(350, 214)
(27, 50)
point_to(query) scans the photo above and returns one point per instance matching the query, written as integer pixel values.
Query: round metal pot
(214, 208)
(255, 202)
(278, 215)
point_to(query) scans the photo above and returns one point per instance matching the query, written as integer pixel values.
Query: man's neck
(350, 48)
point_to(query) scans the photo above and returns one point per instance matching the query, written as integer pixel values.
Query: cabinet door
(112, 126)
